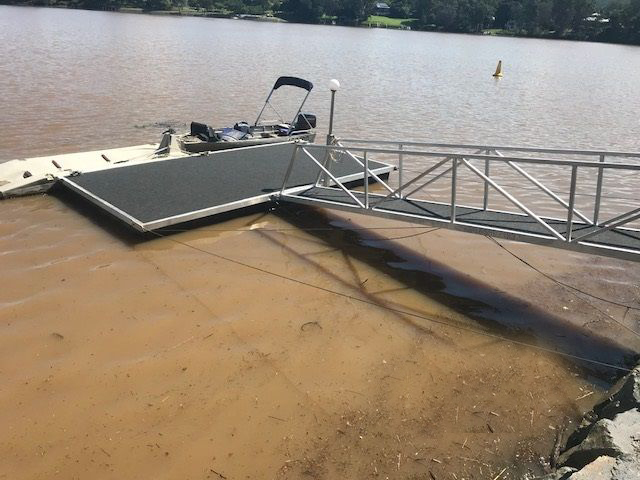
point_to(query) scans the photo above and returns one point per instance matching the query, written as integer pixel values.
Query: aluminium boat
(204, 138)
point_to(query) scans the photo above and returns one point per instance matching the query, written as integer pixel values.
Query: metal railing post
(322, 180)
(454, 171)
(400, 165)
(333, 101)
(485, 201)
(289, 168)
(596, 208)
(366, 180)
(572, 202)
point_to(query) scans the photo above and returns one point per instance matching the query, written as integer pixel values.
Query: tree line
(612, 21)
(598, 20)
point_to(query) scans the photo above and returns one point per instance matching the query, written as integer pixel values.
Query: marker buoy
(498, 73)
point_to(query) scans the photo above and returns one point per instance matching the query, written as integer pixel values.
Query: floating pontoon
(159, 194)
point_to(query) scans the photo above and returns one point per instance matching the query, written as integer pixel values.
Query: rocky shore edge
(606, 444)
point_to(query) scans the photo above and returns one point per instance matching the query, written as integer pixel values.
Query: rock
(599, 469)
(625, 396)
(627, 468)
(581, 431)
(607, 437)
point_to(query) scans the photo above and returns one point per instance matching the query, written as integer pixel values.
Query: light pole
(334, 86)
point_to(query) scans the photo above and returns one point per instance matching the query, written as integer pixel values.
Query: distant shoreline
(187, 12)
(169, 13)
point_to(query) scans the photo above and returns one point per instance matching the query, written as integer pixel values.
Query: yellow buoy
(498, 70)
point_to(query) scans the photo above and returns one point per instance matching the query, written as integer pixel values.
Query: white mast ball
(334, 85)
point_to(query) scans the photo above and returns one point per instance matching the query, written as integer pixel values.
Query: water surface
(161, 359)
(75, 80)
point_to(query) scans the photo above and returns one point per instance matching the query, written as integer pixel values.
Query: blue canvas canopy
(294, 82)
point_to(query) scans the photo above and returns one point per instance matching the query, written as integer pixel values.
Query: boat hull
(194, 145)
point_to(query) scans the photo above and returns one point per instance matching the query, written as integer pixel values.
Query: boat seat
(202, 131)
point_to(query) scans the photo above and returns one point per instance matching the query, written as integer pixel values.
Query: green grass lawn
(496, 31)
(377, 20)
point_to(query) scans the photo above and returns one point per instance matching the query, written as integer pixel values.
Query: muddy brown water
(292, 343)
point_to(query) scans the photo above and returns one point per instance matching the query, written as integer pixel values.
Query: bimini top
(294, 82)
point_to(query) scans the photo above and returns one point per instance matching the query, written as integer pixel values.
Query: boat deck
(158, 194)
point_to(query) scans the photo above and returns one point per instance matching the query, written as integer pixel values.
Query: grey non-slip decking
(490, 222)
(162, 193)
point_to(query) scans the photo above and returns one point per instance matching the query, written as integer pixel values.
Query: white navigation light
(334, 85)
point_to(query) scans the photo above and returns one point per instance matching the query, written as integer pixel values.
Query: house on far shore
(596, 17)
(382, 9)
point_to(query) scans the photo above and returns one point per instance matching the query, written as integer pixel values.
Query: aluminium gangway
(436, 186)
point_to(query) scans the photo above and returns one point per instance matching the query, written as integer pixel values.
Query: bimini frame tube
(293, 82)
(300, 109)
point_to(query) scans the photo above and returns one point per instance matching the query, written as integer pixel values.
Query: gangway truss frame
(577, 231)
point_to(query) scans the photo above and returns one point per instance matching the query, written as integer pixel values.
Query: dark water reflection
(496, 311)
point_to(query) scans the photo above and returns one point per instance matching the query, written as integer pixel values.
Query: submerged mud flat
(291, 344)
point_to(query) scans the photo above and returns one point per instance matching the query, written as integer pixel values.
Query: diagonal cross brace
(337, 182)
(514, 200)
(544, 188)
(612, 223)
(376, 177)
(411, 182)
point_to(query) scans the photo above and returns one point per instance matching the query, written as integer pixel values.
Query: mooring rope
(575, 289)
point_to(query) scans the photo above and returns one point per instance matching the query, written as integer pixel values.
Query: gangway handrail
(459, 155)
(472, 146)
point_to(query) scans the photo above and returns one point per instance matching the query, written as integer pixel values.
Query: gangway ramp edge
(607, 229)
(162, 193)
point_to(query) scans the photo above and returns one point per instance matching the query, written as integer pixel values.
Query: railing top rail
(561, 151)
(494, 158)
